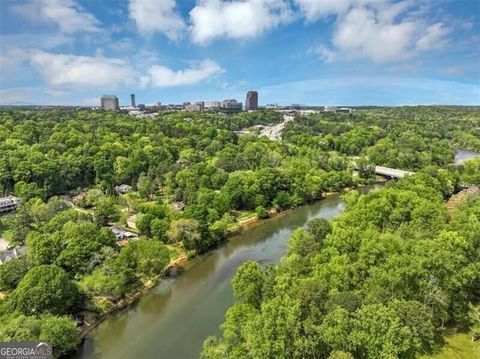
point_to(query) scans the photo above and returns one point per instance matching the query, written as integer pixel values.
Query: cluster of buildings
(111, 103)
(337, 109)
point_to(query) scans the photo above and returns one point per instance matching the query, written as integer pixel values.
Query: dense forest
(381, 281)
(376, 283)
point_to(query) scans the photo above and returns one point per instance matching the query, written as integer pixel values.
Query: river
(463, 155)
(174, 318)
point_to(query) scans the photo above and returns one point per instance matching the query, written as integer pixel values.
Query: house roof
(123, 188)
(8, 200)
(13, 253)
(121, 233)
(178, 206)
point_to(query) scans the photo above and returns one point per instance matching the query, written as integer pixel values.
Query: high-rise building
(231, 105)
(132, 98)
(198, 106)
(213, 104)
(251, 102)
(109, 102)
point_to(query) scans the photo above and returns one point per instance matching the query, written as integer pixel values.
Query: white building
(232, 105)
(9, 204)
(198, 106)
(213, 104)
(330, 109)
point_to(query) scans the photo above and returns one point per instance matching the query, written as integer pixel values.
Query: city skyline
(374, 52)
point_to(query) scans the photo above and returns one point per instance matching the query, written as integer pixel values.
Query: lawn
(456, 346)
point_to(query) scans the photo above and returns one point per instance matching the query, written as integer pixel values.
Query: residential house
(14, 253)
(9, 204)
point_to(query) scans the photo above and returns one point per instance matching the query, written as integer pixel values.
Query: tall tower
(132, 98)
(251, 102)
(109, 102)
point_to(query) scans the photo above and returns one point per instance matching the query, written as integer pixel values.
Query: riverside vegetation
(378, 282)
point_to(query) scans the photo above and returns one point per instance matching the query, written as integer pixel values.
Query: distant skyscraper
(251, 103)
(109, 102)
(198, 106)
(231, 105)
(213, 104)
(132, 98)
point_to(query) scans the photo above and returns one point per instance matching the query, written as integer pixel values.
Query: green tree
(105, 211)
(44, 248)
(45, 289)
(283, 200)
(146, 257)
(61, 332)
(474, 321)
(144, 224)
(261, 212)
(159, 229)
(319, 228)
(399, 329)
(186, 231)
(12, 272)
(248, 283)
(82, 242)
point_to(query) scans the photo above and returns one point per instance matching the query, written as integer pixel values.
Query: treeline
(408, 138)
(73, 266)
(189, 157)
(375, 283)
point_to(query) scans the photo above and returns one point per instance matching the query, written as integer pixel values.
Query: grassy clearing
(244, 215)
(456, 346)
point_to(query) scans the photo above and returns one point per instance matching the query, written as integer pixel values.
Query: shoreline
(183, 260)
(126, 303)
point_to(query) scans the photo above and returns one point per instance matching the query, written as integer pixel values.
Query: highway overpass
(391, 172)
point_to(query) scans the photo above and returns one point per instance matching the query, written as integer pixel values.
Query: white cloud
(324, 52)
(213, 19)
(55, 92)
(13, 57)
(67, 14)
(82, 71)
(157, 15)
(317, 9)
(62, 71)
(17, 96)
(454, 70)
(123, 45)
(361, 34)
(433, 38)
(373, 90)
(38, 40)
(161, 76)
(377, 30)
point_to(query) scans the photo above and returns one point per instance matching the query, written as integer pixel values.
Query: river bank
(242, 229)
(184, 260)
(193, 304)
(463, 155)
(131, 300)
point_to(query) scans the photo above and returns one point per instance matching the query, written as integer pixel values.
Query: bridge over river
(388, 172)
(392, 172)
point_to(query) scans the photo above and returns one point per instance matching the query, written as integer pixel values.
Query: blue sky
(335, 52)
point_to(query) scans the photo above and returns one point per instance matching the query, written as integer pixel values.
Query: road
(275, 132)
